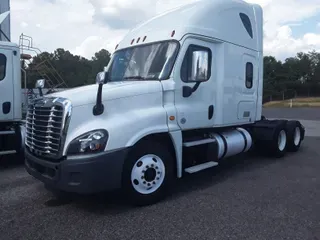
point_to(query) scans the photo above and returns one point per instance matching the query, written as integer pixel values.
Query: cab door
(194, 92)
(6, 85)
(247, 89)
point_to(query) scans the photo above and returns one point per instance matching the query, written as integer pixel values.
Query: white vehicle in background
(182, 92)
(12, 124)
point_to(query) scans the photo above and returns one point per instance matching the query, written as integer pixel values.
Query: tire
(148, 173)
(295, 135)
(279, 142)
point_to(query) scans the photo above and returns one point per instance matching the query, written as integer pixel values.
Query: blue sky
(86, 26)
(311, 24)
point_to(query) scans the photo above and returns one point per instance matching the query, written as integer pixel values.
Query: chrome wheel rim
(297, 136)
(147, 174)
(282, 140)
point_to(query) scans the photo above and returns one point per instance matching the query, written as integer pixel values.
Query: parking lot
(247, 198)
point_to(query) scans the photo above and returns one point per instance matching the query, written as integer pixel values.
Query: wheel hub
(150, 174)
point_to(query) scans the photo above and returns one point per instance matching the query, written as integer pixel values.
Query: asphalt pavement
(248, 198)
(293, 113)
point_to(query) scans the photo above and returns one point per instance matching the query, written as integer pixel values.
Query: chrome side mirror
(102, 77)
(199, 66)
(40, 83)
(40, 86)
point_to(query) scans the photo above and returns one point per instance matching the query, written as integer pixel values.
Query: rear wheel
(294, 130)
(279, 143)
(147, 173)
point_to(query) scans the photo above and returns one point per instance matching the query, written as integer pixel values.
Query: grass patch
(297, 102)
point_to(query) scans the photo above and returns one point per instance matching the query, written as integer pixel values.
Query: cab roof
(8, 44)
(233, 21)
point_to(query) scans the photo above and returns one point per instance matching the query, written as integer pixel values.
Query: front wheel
(148, 173)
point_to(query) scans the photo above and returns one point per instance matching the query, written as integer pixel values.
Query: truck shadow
(113, 204)
(7, 162)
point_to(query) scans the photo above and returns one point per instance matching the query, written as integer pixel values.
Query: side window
(246, 23)
(3, 64)
(196, 65)
(249, 75)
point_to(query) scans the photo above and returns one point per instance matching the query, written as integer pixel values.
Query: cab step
(2, 153)
(200, 167)
(198, 142)
(7, 132)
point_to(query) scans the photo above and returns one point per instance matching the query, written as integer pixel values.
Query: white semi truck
(181, 93)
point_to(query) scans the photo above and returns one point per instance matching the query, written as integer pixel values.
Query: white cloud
(86, 26)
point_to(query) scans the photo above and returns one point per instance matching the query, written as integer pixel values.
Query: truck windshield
(146, 62)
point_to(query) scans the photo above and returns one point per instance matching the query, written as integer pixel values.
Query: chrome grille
(46, 123)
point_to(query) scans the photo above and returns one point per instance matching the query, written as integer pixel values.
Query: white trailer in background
(182, 92)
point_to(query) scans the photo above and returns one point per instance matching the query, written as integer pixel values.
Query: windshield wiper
(135, 77)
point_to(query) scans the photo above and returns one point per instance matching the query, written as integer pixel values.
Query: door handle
(210, 112)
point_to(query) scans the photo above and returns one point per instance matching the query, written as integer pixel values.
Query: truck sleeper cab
(182, 92)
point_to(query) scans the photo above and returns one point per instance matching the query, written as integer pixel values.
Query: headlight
(90, 142)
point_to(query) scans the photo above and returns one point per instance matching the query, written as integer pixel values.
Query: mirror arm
(195, 87)
(40, 91)
(99, 107)
(187, 91)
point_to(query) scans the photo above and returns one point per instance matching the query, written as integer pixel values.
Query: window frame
(247, 78)
(5, 66)
(186, 60)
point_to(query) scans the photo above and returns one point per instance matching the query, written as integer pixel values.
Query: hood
(87, 94)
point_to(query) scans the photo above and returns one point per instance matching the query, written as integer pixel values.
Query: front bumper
(80, 174)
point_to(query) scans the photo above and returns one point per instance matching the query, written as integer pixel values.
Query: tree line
(295, 76)
(61, 65)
